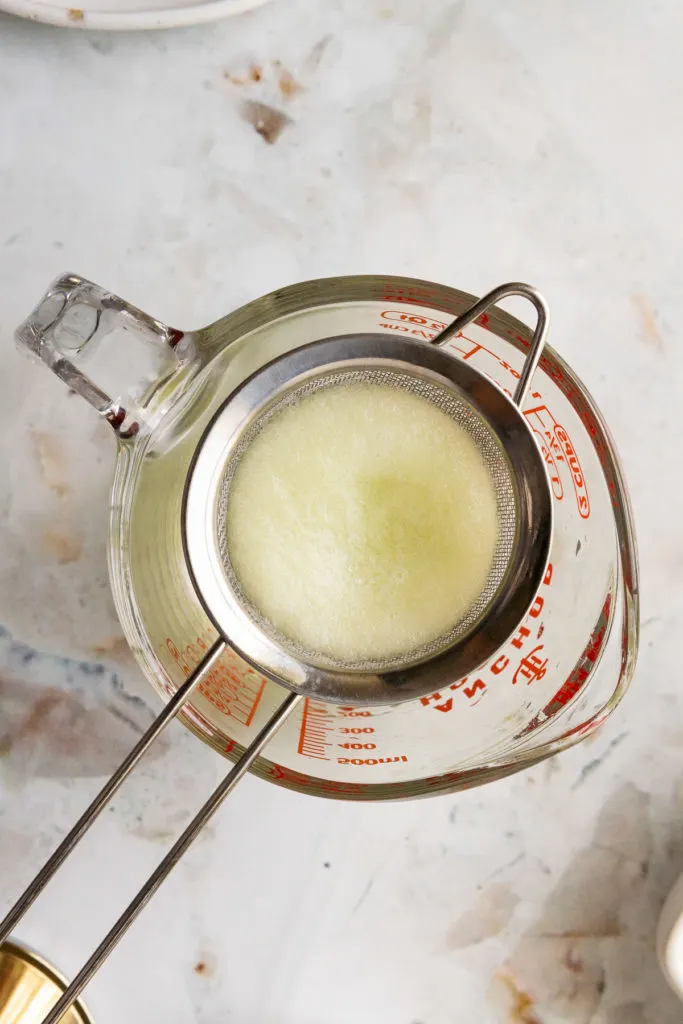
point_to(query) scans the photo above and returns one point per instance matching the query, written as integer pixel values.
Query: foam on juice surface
(362, 522)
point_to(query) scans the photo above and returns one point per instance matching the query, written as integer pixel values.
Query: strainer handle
(538, 340)
(170, 710)
(66, 328)
(140, 901)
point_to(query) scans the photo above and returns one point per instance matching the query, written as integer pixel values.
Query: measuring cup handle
(66, 328)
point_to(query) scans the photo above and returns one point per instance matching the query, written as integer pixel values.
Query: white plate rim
(172, 17)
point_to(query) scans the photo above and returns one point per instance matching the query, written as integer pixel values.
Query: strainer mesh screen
(464, 414)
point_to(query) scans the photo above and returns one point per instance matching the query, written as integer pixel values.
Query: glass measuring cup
(554, 682)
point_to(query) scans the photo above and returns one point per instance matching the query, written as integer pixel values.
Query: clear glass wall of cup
(554, 682)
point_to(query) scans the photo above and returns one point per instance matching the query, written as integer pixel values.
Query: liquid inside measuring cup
(549, 676)
(362, 522)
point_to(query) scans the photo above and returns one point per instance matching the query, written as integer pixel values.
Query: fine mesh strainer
(367, 371)
(516, 470)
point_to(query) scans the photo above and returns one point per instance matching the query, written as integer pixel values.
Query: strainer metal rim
(515, 595)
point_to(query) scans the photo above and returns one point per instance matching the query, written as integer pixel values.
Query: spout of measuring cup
(66, 331)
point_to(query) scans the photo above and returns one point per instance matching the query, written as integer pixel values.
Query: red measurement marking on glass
(246, 700)
(508, 665)
(574, 465)
(415, 295)
(579, 674)
(559, 446)
(553, 439)
(233, 687)
(279, 773)
(410, 323)
(354, 735)
(427, 328)
(315, 725)
(551, 465)
(475, 347)
(371, 760)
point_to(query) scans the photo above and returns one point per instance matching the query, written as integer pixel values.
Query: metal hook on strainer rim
(489, 416)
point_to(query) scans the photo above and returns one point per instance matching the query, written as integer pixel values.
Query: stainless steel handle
(538, 340)
(140, 901)
(33, 890)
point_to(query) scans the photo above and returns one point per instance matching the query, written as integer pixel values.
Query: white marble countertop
(467, 142)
